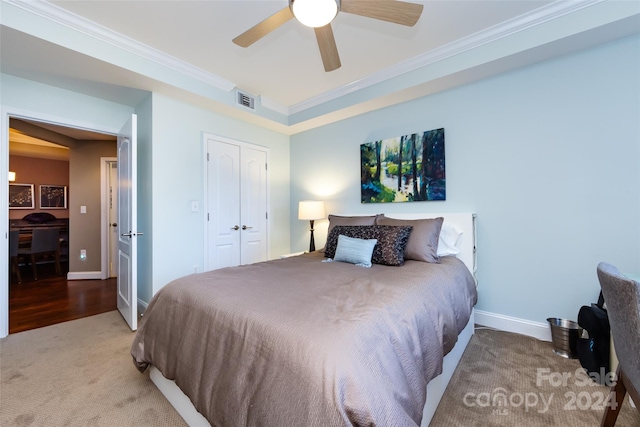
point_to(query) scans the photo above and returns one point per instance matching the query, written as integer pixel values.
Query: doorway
(83, 297)
(109, 221)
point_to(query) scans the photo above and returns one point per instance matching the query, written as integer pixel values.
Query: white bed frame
(435, 388)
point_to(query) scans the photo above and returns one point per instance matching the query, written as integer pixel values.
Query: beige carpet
(80, 373)
(510, 380)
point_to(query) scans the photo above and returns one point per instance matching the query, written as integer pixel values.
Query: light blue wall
(178, 178)
(548, 156)
(21, 95)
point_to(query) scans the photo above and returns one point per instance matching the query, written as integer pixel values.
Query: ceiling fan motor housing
(314, 13)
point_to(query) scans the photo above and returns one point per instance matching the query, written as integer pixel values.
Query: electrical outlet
(195, 268)
(83, 254)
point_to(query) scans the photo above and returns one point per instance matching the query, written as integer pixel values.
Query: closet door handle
(235, 228)
(244, 227)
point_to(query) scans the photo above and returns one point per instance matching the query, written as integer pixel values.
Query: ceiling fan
(319, 14)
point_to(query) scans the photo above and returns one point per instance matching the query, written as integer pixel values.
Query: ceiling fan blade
(260, 30)
(328, 48)
(398, 12)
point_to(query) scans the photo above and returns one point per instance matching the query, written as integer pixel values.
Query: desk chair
(622, 297)
(14, 241)
(44, 241)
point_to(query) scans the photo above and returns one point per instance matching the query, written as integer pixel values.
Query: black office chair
(622, 296)
(14, 242)
(44, 241)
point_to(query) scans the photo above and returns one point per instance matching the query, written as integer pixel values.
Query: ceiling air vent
(246, 100)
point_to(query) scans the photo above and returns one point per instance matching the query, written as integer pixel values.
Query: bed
(301, 341)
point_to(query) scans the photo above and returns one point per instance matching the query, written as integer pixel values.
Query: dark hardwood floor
(53, 299)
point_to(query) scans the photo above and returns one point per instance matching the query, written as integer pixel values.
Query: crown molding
(273, 105)
(82, 25)
(75, 22)
(504, 29)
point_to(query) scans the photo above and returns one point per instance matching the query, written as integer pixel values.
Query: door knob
(114, 225)
(235, 228)
(244, 227)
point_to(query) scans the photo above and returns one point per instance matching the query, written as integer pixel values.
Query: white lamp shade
(311, 209)
(314, 13)
(12, 176)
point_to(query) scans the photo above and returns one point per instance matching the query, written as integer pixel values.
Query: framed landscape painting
(21, 196)
(53, 197)
(407, 168)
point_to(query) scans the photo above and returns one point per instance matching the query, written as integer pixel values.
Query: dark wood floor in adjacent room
(53, 299)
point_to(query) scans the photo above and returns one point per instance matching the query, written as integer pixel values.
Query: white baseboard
(142, 306)
(84, 275)
(501, 322)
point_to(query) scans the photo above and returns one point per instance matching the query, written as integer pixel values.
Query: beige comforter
(301, 342)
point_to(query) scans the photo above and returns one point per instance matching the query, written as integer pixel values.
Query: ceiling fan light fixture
(314, 13)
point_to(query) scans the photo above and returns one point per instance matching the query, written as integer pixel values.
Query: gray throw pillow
(423, 242)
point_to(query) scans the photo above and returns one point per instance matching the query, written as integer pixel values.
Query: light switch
(83, 209)
(195, 207)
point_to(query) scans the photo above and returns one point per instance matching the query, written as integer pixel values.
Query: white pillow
(450, 240)
(355, 251)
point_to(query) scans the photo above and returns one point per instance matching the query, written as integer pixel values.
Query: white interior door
(113, 219)
(127, 223)
(223, 182)
(253, 205)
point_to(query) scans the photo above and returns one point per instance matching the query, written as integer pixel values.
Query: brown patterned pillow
(389, 250)
(352, 220)
(423, 242)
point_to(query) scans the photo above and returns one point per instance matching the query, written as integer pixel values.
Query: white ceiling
(284, 68)
(30, 138)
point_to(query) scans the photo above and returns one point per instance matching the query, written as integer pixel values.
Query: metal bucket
(564, 335)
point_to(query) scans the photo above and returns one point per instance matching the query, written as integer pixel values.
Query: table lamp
(311, 210)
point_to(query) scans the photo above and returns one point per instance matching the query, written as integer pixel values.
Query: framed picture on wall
(53, 197)
(407, 168)
(21, 196)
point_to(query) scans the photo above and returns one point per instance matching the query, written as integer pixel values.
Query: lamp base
(312, 243)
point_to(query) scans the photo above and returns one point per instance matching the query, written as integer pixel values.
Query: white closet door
(223, 204)
(237, 203)
(253, 207)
